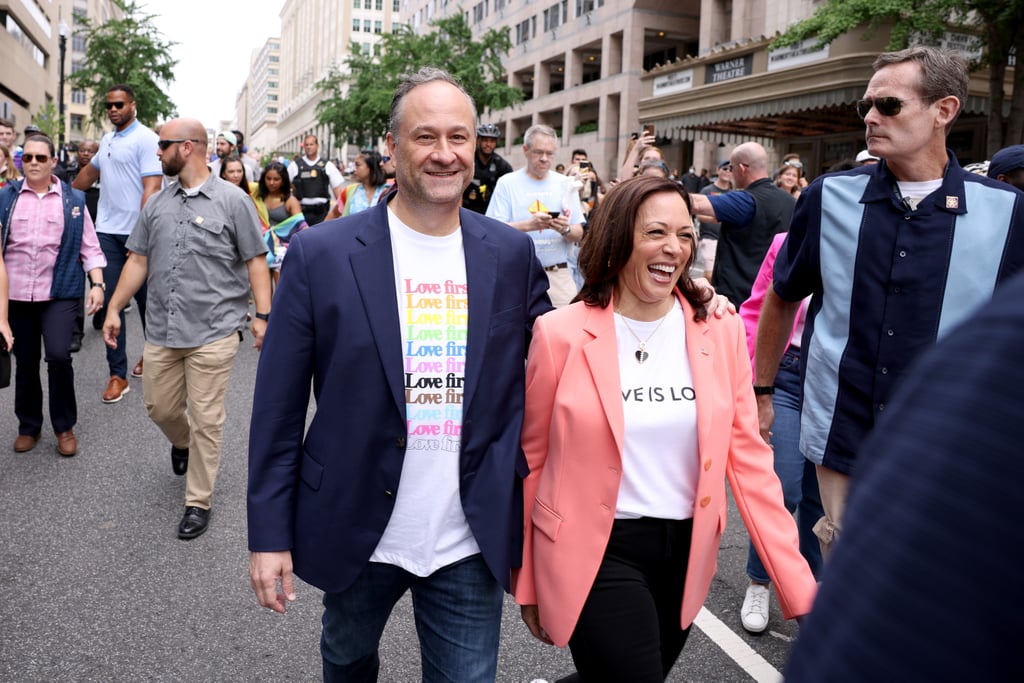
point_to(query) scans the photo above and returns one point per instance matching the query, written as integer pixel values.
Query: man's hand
(112, 327)
(258, 329)
(765, 417)
(719, 304)
(531, 617)
(265, 571)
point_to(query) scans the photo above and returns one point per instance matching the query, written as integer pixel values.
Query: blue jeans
(114, 249)
(795, 472)
(458, 620)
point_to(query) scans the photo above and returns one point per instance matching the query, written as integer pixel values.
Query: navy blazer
(920, 585)
(327, 496)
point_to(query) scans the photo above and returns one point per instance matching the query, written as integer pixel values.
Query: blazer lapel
(700, 349)
(602, 356)
(481, 280)
(374, 271)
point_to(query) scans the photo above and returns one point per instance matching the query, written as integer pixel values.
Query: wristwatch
(265, 317)
(101, 285)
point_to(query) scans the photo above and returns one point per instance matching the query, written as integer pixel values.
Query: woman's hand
(531, 617)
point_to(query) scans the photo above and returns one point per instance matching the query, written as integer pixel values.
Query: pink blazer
(573, 435)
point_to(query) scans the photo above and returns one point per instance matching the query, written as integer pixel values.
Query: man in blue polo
(895, 254)
(131, 174)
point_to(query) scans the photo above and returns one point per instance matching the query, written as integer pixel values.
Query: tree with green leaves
(357, 98)
(998, 23)
(48, 120)
(128, 50)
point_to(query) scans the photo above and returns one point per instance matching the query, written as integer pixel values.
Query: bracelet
(265, 317)
(565, 232)
(763, 391)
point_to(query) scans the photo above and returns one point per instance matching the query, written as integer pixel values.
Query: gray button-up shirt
(197, 248)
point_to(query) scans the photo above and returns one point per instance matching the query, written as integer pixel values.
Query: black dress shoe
(194, 523)
(179, 460)
(76, 342)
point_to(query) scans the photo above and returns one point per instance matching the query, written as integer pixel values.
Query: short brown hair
(943, 73)
(609, 242)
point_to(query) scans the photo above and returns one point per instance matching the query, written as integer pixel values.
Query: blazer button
(707, 464)
(400, 442)
(704, 501)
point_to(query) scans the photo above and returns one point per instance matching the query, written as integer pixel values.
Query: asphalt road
(96, 586)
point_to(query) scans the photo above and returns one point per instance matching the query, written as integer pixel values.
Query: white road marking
(759, 668)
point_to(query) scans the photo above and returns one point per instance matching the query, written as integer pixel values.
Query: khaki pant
(561, 286)
(834, 488)
(184, 390)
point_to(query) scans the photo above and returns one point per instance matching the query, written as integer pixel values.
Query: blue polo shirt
(123, 159)
(886, 282)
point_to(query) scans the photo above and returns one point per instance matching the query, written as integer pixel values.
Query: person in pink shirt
(796, 473)
(49, 244)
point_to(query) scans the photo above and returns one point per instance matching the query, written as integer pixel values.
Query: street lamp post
(62, 28)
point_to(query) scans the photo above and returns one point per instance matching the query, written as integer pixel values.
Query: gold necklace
(641, 350)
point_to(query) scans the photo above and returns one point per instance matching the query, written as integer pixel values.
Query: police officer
(315, 181)
(488, 168)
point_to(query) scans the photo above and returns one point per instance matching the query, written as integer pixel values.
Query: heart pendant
(641, 356)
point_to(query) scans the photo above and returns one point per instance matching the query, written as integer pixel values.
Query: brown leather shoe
(25, 442)
(137, 370)
(67, 444)
(117, 387)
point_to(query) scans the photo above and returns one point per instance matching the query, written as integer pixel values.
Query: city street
(96, 586)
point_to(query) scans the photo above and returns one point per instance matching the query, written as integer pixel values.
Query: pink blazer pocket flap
(546, 520)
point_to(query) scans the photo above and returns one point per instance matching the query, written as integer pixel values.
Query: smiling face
(788, 178)
(663, 241)
(433, 148)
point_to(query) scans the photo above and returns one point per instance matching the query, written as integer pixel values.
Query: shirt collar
(950, 197)
(129, 129)
(54, 186)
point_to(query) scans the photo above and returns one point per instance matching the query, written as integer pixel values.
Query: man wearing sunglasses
(199, 246)
(895, 254)
(131, 174)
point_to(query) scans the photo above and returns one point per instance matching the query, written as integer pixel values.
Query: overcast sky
(215, 41)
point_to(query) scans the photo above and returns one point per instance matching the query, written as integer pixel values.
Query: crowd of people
(535, 380)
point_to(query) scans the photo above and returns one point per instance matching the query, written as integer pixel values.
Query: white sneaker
(754, 613)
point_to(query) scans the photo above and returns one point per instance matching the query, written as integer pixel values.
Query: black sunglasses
(115, 105)
(886, 106)
(41, 158)
(164, 144)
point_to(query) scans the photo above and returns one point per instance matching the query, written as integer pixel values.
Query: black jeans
(629, 627)
(53, 321)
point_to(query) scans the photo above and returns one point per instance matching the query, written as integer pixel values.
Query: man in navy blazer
(412, 320)
(920, 586)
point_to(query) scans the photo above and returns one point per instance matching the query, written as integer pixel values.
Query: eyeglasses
(115, 105)
(886, 106)
(794, 163)
(164, 144)
(41, 158)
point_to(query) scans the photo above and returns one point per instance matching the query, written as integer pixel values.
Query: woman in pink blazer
(638, 406)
